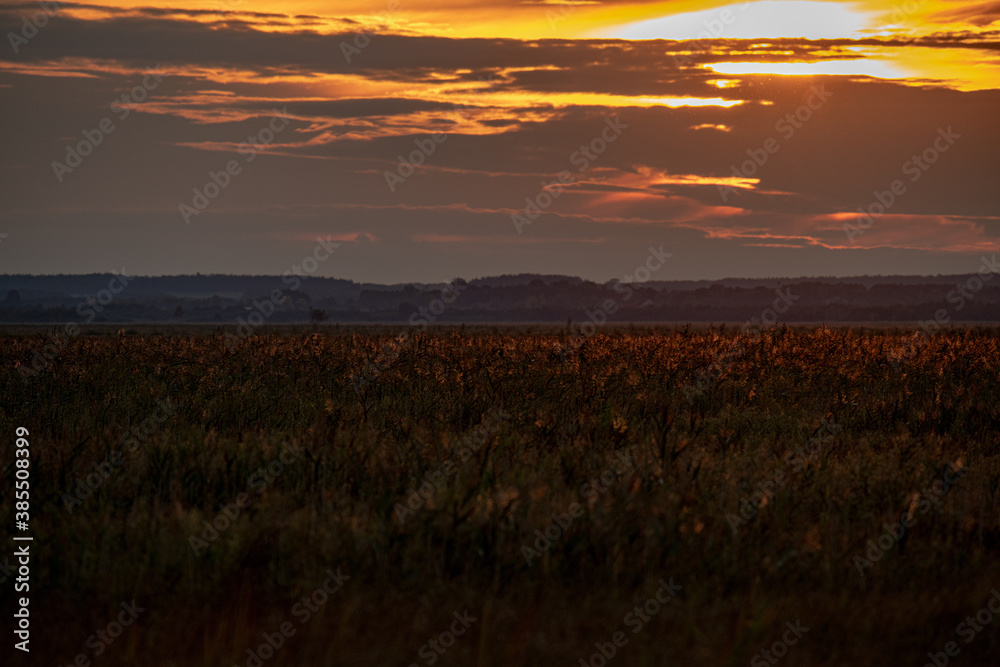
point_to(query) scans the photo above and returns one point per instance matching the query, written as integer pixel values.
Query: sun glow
(751, 20)
(858, 67)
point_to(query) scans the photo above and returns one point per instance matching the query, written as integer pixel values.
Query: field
(499, 497)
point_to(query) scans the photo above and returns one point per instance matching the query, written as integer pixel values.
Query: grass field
(494, 497)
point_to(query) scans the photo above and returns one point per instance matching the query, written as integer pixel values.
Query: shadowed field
(542, 485)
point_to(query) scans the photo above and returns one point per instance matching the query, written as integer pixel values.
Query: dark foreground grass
(645, 446)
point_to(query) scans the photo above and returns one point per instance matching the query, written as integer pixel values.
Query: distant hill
(228, 299)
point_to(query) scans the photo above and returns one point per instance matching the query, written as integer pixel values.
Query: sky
(424, 141)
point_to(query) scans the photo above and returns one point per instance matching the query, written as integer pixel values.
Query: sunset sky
(740, 137)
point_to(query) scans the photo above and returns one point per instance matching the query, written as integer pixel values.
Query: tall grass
(696, 449)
